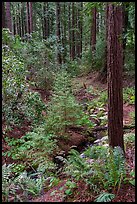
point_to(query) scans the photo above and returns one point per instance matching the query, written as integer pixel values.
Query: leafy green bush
(103, 169)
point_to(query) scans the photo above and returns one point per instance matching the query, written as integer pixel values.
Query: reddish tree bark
(115, 68)
(8, 16)
(93, 30)
(3, 15)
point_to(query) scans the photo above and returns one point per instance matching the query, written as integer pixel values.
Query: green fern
(105, 197)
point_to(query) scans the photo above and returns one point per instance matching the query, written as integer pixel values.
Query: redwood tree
(29, 17)
(93, 30)
(3, 15)
(8, 16)
(115, 68)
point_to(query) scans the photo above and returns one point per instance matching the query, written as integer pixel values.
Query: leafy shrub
(104, 168)
(34, 149)
(20, 187)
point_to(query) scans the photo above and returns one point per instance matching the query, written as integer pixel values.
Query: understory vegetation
(62, 114)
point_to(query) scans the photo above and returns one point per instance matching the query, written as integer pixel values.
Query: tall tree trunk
(14, 23)
(3, 15)
(80, 27)
(19, 20)
(46, 21)
(93, 31)
(115, 68)
(64, 39)
(30, 16)
(69, 29)
(58, 33)
(22, 19)
(77, 33)
(8, 17)
(73, 33)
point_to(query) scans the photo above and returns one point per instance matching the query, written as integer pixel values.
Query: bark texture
(115, 68)
(3, 15)
(93, 30)
(8, 17)
(30, 15)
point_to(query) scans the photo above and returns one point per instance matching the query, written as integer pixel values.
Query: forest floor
(126, 192)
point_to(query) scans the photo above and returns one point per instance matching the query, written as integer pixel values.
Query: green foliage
(132, 115)
(103, 168)
(132, 179)
(63, 110)
(95, 152)
(18, 102)
(22, 183)
(34, 106)
(70, 187)
(129, 95)
(33, 149)
(105, 197)
(129, 138)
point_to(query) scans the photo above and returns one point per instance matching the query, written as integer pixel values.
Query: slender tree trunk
(14, 23)
(19, 20)
(97, 16)
(115, 68)
(58, 33)
(22, 19)
(30, 16)
(73, 33)
(80, 27)
(3, 15)
(69, 29)
(46, 21)
(8, 17)
(77, 39)
(93, 31)
(64, 39)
